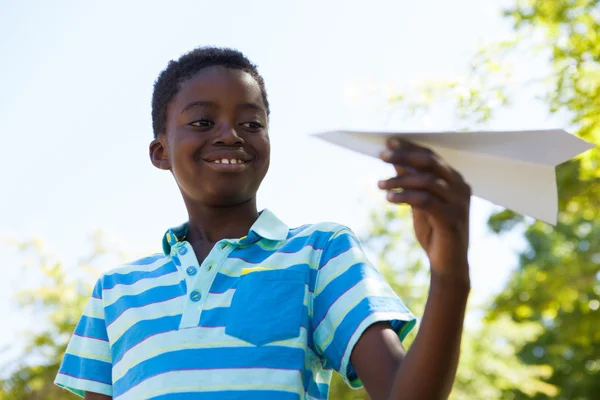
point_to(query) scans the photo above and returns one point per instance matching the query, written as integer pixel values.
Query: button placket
(200, 279)
(195, 296)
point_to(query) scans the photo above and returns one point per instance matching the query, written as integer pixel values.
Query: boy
(238, 305)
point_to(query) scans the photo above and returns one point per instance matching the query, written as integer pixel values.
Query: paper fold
(513, 169)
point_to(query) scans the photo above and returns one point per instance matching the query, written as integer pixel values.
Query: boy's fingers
(421, 181)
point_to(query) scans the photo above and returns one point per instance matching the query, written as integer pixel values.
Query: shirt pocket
(267, 306)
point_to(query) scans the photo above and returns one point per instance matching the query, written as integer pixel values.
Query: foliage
(489, 364)
(56, 304)
(557, 282)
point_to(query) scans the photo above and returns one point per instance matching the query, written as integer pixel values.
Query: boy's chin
(228, 199)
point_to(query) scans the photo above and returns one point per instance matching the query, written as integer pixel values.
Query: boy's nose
(228, 137)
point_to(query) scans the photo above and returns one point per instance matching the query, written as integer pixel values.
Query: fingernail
(381, 184)
(386, 155)
(395, 143)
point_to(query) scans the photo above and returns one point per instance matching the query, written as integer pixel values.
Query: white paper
(513, 169)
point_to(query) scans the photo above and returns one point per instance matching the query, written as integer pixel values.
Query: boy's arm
(96, 396)
(440, 202)
(427, 370)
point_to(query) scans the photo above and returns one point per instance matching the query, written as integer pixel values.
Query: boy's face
(216, 142)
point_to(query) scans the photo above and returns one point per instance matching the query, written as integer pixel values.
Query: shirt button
(195, 296)
(191, 271)
(183, 250)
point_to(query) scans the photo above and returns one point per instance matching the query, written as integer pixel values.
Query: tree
(489, 365)
(57, 303)
(557, 282)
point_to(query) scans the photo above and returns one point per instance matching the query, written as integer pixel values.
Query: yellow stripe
(90, 356)
(254, 269)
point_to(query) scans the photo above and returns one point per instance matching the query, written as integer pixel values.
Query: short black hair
(178, 71)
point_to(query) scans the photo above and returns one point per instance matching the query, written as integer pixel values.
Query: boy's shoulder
(131, 269)
(326, 228)
(321, 234)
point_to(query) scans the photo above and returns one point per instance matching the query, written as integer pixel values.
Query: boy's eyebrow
(200, 103)
(203, 103)
(252, 106)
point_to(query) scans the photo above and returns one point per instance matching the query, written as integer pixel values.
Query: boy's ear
(159, 155)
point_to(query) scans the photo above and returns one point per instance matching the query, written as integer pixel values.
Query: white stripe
(82, 384)
(129, 268)
(221, 300)
(94, 308)
(345, 303)
(321, 227)
(89, 348)
(216, 300)
(307, 255)
(112, 295)
(132, 316)
(191, 338)
(217, 380)
(338, 265)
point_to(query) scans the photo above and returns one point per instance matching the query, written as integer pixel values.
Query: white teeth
(226, 161)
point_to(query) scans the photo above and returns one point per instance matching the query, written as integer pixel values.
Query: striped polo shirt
(267, 316)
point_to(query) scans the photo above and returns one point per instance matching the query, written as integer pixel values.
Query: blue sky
(76, 83)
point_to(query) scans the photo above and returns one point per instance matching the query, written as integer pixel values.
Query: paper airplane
(513, 169)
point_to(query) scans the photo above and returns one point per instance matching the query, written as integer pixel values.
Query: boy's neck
(208, 225)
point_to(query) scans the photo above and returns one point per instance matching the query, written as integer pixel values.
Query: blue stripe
(97, 292)
(155, 295)
(314, 389)
(352, 320)
(257, 255)
(251, 254)
(86, 368)
(341, 284)
(223, 283)
(112, 280)
(278, 357)
(91, 327)
(141, 331)
(337, 246)
(216, 317)
(296, 231)
(230, 395)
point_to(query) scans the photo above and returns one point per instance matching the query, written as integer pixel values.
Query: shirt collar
(267, 226)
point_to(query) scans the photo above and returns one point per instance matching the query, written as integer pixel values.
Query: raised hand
(440, 202)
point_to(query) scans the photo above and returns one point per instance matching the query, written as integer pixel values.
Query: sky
(75, 86)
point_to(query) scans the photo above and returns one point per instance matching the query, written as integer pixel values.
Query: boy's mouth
(233, 161)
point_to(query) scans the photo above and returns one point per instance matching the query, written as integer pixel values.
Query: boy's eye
(252, 125)
(202, 123)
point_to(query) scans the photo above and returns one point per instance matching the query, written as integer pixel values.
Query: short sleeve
(349, 296)
(87, 364)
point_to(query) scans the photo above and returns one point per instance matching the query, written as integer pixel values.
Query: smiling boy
(239, 305)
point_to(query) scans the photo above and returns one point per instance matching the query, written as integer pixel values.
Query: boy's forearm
(429, 368)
